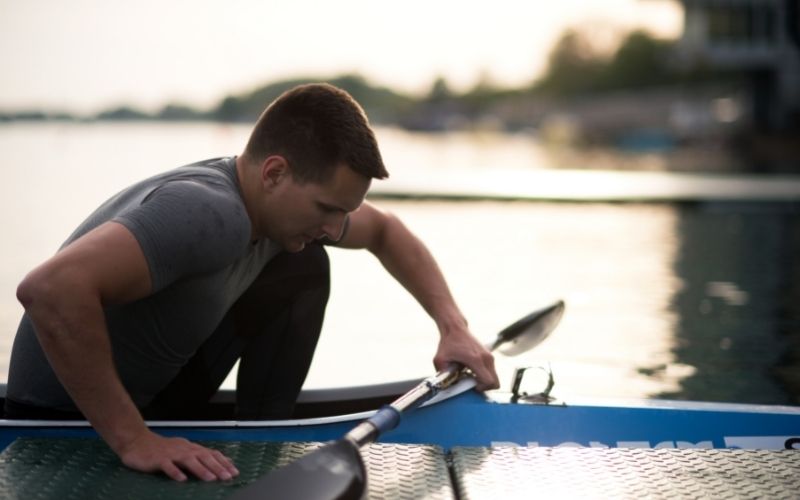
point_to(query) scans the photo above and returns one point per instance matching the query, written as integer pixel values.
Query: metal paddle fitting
(542, 397)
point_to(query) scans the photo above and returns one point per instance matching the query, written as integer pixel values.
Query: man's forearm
(410, 262)
(64, 299)
(74, 338)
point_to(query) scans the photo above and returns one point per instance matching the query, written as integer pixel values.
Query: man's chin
(294, 246)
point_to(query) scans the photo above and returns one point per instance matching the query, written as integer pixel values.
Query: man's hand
(172, 456)
(459, 346)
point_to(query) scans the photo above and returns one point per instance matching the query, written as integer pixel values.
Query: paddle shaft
(388, 417)
(336, 471)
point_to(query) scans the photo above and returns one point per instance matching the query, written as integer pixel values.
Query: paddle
(336, 470)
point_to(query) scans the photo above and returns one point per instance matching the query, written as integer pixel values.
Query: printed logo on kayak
(743, 442)
(764, 442)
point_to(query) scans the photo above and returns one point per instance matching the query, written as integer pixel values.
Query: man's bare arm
(409, 261)
(64, 298)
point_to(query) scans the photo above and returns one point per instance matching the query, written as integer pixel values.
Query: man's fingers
(197, 468)
(487, 386)
(486, 374)
(173, 471)
(210, 465)
(215, 463)
(481, 365)
(177, 458)
(226, 462)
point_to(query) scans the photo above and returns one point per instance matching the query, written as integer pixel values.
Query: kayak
(336, 409)
(456, 443)
(487, 420)
(470, 445)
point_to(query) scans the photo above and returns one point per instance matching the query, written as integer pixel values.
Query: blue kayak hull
(471, 419)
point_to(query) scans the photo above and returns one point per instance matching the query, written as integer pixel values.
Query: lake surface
(692, 301)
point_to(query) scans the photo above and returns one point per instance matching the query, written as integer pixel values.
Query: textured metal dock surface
(37, 468)
(86, 469)
(508, 472)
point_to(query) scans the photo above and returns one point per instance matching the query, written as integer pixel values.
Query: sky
(87, 55)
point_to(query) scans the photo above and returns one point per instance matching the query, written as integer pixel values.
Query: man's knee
(285, 278)
(293, 271)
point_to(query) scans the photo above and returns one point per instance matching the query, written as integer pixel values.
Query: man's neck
(248, 183)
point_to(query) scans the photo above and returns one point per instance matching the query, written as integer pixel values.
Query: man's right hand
(150, 452)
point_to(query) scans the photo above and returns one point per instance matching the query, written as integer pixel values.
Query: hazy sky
(85, 55)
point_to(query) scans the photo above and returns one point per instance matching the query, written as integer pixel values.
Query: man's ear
(274, 170)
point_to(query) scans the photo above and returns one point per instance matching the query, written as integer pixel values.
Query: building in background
(758, 37)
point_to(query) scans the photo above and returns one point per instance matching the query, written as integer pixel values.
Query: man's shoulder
(202, 197)
(197, 202)
(217, 172)
(189, 224)
(214, 178)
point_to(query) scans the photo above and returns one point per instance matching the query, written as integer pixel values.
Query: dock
(591, 186)
(85, 468)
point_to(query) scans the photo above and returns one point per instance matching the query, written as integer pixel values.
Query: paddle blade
(335, 471)
(529, 331)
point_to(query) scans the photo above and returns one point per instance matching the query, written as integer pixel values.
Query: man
(150, 302)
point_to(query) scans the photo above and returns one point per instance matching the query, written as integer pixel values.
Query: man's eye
(327, 209)
(333, 209)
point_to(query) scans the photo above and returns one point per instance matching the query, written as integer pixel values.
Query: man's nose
(334, 226)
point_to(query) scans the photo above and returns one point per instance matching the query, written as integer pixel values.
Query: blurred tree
(480, 101)
(123, 113)
(179, 112)
(440, 91)
(641, 60)
(379, 102)
(574, 65)
(231, 109)
(484, 90)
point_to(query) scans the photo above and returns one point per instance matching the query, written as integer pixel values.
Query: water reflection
(685, 301)
(737, 310)
(611, 263)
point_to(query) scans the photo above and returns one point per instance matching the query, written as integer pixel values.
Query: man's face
(309, 211)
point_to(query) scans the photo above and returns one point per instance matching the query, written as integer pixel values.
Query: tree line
(576, 68)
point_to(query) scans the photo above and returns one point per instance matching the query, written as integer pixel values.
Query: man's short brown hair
(317, 127)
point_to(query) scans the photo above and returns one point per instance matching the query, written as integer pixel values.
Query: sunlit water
(663, 300)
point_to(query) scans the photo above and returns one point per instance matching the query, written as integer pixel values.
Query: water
(692, 301)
